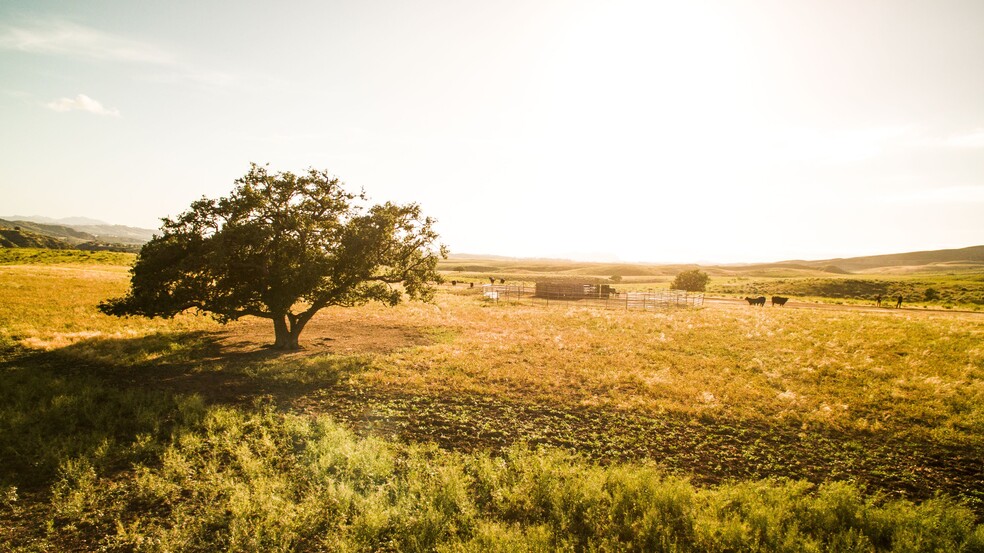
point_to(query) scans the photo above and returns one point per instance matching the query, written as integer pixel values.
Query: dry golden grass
(894, 399)
(865, 371)
(908, 372)
(53, 306)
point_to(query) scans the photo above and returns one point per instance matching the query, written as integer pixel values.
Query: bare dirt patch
(337, 333)
(709, 451)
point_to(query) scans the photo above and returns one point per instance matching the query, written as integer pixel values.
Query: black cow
(779, 300)
(760, 301)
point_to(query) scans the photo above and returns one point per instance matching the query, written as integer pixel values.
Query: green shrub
(693, 281)
(124, 470)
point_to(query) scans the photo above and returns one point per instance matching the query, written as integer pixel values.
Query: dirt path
(714, 301)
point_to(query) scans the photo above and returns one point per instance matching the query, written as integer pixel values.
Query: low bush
(256, 479)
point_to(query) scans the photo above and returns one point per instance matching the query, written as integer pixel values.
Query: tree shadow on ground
(209, 364)
(706, 450)
(67, 403)
(231, 369)
(235, 364)
(105, 405)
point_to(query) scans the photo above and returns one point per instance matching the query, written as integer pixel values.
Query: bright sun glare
(644, 131)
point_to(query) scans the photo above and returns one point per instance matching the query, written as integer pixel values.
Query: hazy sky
(644, 131)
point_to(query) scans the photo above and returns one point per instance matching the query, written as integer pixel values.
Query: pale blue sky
(645, 131)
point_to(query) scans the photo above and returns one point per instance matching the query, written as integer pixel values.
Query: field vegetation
(955, 290)
(939, 286)
(43, 256)
(466, 425)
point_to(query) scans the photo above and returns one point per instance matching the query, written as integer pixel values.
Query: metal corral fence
(653, 300)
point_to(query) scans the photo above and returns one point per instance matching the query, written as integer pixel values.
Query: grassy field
(951, 286)
(948, 291)
(465, 425)
(34, 256)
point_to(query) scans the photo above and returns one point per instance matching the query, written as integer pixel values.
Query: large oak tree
(282, 247)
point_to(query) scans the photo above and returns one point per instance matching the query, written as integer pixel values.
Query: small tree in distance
(282, 247)
(692, 281)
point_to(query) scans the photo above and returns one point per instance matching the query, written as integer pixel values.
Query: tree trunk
(284, 337)
(287, 329)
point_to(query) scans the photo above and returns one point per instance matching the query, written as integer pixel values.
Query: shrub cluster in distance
(692, 281)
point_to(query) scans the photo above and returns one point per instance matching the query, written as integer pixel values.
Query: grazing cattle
(760, 301)
(779, 300)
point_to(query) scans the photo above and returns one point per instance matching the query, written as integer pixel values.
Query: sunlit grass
(912, 373)
(51, 306)
(39, 256)
(920, 374)
(264, 481)
(96, 451)
(961, 290)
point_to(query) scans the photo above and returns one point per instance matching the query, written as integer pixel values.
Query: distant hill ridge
(20, 238)
(55, 231)
(87, 233)
(971, 258)
(80, 229)
(21, 233)
(70, 221)
(973, 255)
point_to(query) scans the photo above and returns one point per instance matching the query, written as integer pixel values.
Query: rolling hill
(962, 259)
(72, 232)
(20, 238)
(87, 233)
(972, 256)
(80, 228)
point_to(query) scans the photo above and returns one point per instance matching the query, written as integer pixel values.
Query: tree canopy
(283, 246)
(694, 280)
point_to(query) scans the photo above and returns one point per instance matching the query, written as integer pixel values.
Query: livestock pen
(590, 295)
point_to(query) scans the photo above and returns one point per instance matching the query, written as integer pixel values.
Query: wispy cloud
(82, 103)
(72, 40)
